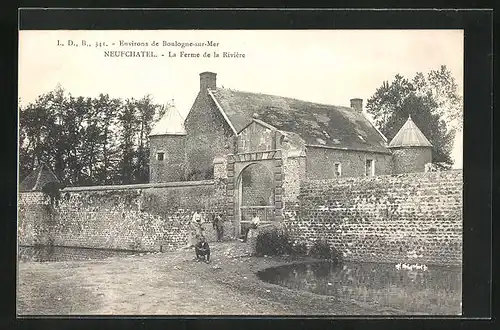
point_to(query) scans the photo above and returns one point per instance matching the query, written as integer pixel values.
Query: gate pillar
(278, 189)
(230, 186)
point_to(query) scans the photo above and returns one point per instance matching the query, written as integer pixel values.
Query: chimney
(208, 80)
(357, 104)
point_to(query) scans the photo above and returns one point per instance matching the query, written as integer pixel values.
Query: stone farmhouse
(242, 154)
(264, 145)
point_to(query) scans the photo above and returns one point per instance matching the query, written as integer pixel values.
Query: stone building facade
(291, 140)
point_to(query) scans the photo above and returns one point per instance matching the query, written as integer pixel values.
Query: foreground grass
(170, 284)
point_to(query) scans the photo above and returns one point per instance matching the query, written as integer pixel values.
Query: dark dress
(219, 227)
(202, 250)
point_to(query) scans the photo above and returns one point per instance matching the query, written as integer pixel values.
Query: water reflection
(434, 291)
(56, 253)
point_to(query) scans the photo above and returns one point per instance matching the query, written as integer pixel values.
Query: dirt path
(166, 284)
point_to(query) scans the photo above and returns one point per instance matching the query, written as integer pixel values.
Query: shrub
(299, 249)
(322, 250)
(244, 228)
(273, 243)
(52, 190)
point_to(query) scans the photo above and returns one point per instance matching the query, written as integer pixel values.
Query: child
(254, 225)
(202, 250)
(255, 221)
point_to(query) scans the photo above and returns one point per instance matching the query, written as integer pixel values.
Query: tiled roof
(171, 123)
(409, 136)
(318, 124)
(38, 178)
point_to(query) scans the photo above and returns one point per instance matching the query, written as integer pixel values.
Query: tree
(146, 110)
(432, 102)
(107, 111)
(76, 110)
(127, 128)
(87, 141)
(40, 131)
(442, 87)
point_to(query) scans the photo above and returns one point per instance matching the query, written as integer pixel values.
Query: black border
(478, 89)
(262, 19)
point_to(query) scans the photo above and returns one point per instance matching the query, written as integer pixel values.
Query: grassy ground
(170, 284)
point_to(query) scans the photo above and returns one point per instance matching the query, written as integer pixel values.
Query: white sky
(326, 66)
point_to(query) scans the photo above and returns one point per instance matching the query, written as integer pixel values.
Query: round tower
(167, 148)
(410, 149)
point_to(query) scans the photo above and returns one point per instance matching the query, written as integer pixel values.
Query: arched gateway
(255, 186)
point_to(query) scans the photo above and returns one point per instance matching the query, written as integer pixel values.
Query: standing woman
(218, 226)
(196, 229)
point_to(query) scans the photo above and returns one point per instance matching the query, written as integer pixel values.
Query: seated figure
(202, 250)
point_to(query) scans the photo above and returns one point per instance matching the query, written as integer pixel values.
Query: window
(370, 167)
(273, 142)
(160, 156)
(337, 169)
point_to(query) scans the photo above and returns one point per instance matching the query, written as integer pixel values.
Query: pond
(435, 291)
(58, 253)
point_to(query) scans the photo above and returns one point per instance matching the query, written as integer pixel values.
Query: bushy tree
(88, 141)
(433, 103)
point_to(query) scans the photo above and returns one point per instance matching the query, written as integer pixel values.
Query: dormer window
(160, 156)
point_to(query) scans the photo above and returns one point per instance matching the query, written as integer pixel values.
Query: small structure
(167, 143)
(38, 179)
(411, 150)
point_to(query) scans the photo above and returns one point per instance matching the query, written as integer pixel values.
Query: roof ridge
(223, 113)
(37, 181)
(284, 97)
(33, 181)
(305, 118)
(176, 110)
(373, 125)
(51, 172)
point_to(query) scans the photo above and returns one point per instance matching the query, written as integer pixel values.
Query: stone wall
(34, 219)
(320, 163)
(410, 160)
(294, 169)
(413, 218)
(398, 218)
(144, 217)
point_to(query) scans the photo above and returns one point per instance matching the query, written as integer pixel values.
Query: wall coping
(318, 146)
(370, 178)
(142, 186)
(20, 192)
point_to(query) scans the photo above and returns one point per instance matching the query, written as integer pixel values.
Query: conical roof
(171, 123)
(37, 179)
(409, 136)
